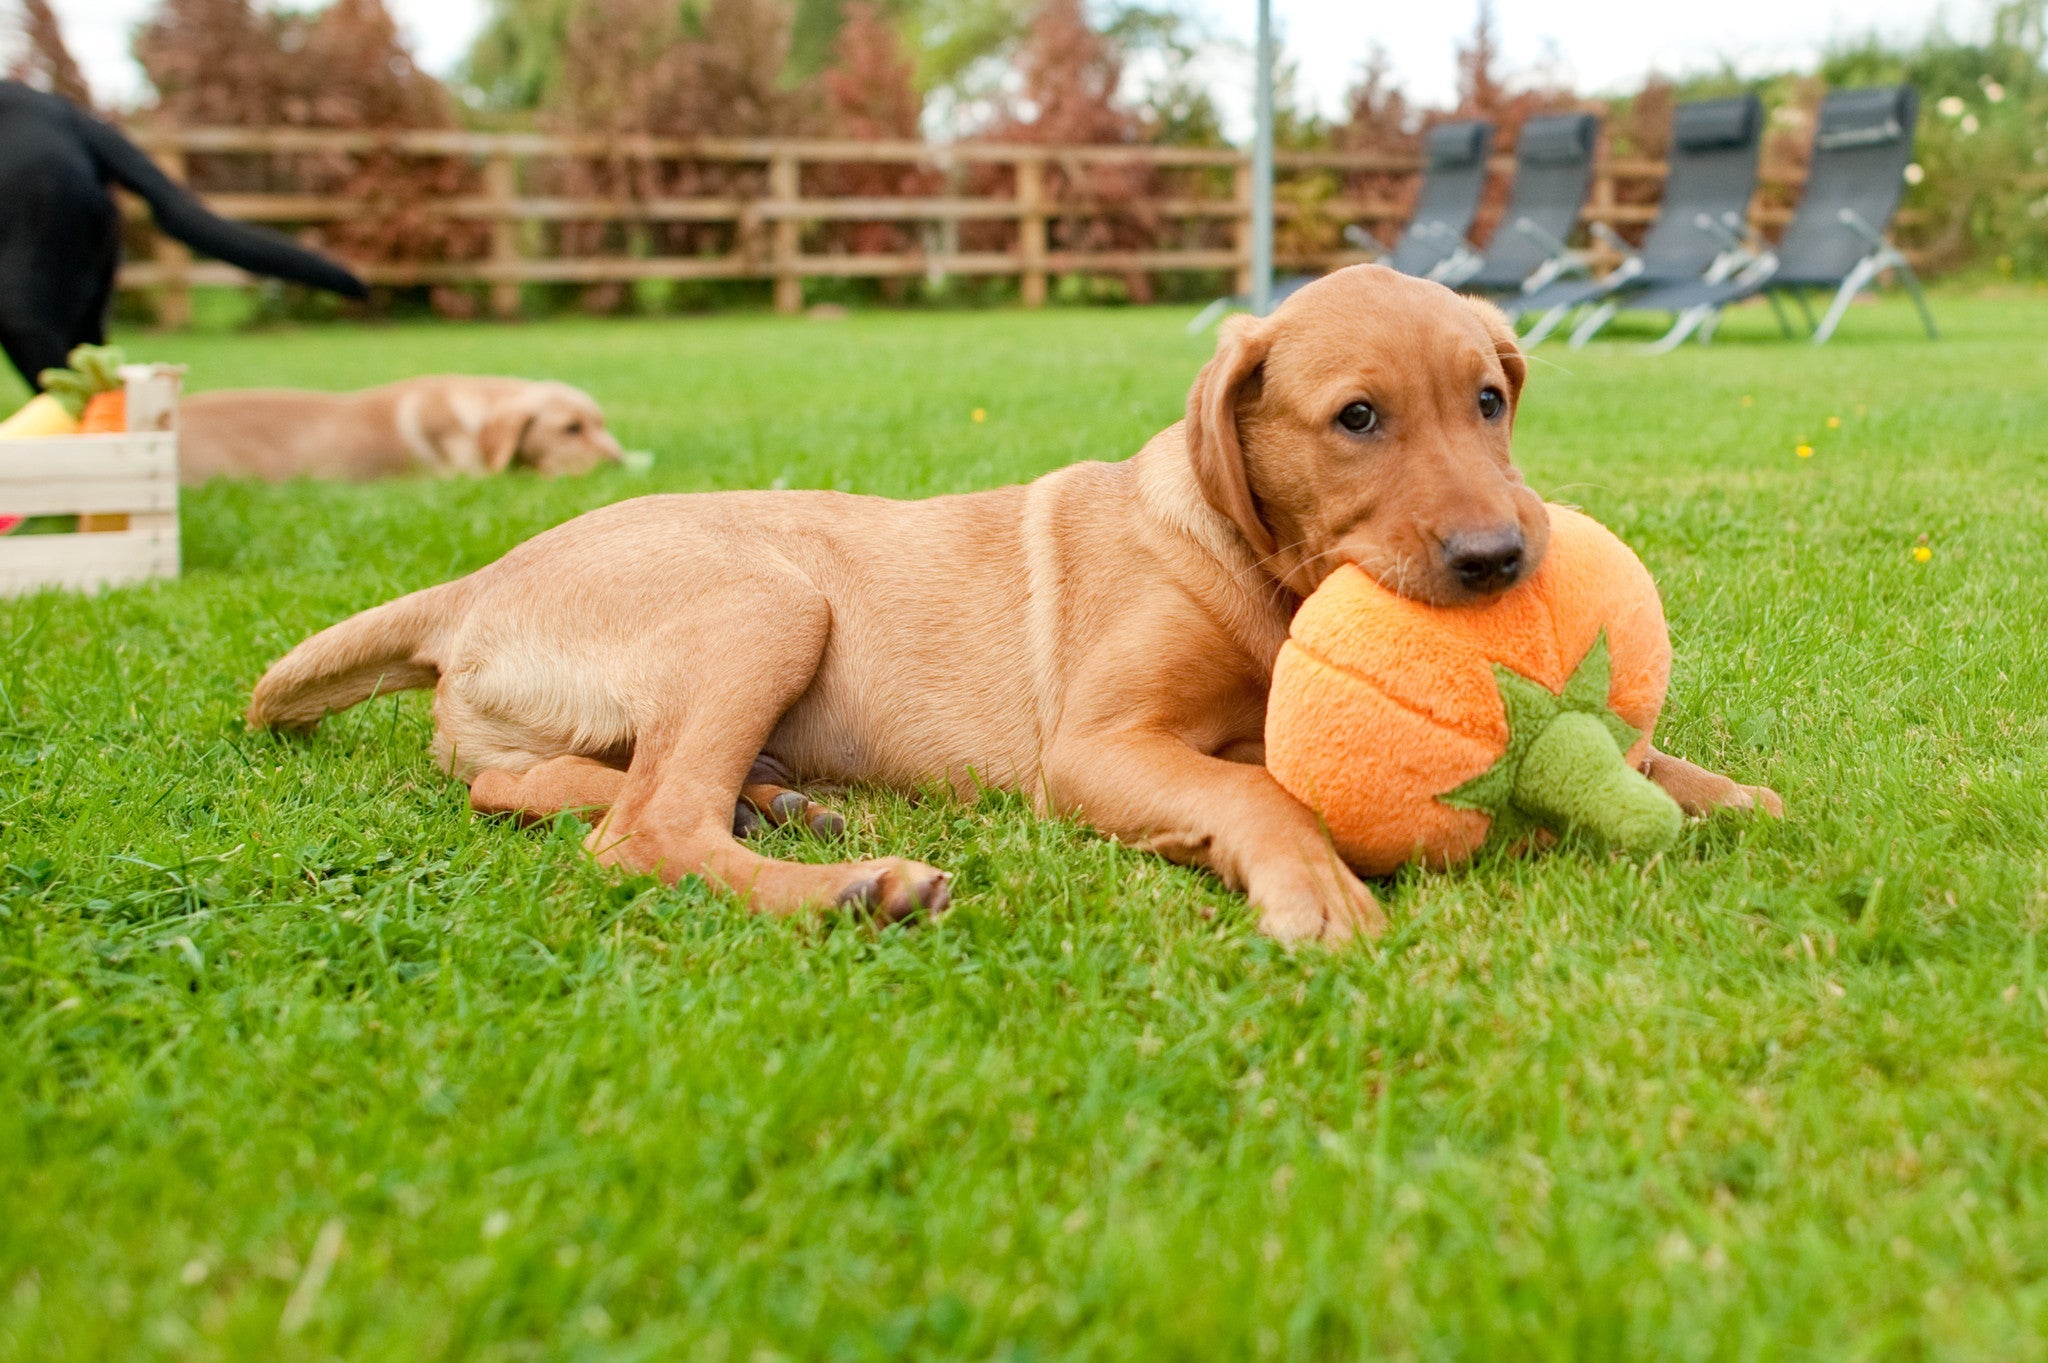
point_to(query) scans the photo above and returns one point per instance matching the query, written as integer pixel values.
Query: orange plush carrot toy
(1420, 732)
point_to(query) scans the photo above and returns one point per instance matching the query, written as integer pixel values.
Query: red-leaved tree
(871, 95)
(631, 67)
(1068, 81)
(43, 60)
(217, 63)
(1486, 90)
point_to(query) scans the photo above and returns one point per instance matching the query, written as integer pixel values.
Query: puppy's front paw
(1751, 798)
(894, 888)
(1331, 906)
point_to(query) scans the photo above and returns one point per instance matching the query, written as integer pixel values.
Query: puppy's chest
(441, 430)
(910, 691)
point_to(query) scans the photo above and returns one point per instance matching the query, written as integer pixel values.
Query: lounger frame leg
(1912, 283)
(1799, 297)
(1683, 326)
(1548, 323)
(1865, 271)
(1591, 326)
(1209, 316)
(1778, 311)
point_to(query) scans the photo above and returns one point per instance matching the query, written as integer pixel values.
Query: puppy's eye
(576, 427)
(1491, 403)
(1358, 418)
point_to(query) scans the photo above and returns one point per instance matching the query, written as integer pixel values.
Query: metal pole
(1262, 169)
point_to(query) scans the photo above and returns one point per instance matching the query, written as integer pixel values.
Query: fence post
(173, 257)
(1031, 228)
(501, 187)
(1241, 234)
(1605, 201)
(786, 239)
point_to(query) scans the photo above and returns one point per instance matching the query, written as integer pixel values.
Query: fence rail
(1030, 193)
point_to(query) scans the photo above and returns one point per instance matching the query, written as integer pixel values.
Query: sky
(1601, 45)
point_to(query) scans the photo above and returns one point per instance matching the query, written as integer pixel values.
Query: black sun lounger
(1553, 174)
(1836, 241)
(1434, 243)
(1453, 177)
(1698, 234)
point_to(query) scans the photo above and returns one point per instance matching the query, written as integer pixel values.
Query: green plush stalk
(1573, 776)
(94, 369)
(1565, 767)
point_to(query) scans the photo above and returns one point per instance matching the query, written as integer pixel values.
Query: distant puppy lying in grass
(445, 424)
(1102, 639)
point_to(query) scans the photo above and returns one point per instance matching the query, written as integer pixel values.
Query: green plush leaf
(1587, 687)
(1529, 708)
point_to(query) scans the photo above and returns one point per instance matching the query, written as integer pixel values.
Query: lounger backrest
(1712, 164)
(1453, 177)
(1553, 172)
(1861, 148)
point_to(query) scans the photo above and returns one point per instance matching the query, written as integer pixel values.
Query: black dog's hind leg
(55, 286)
(32, 344)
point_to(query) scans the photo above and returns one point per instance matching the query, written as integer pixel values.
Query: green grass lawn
(303, 1061)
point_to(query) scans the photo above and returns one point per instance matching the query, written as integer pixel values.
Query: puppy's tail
(180, 214)
(387, 648)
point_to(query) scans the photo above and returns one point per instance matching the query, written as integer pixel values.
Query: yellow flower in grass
(1921, 553)
(980, 415)
(1834, 423)
(1803, 450)
(1748, 401)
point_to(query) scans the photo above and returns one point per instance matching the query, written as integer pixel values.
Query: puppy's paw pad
(793, 807)
(1289, 926)
(894, 889)
(864, 893)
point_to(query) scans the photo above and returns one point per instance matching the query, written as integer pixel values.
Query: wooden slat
(89, 458)
(63, 496)
(1085, 262)
(31, 562)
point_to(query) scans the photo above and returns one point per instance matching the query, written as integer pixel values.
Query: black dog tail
(181, 215)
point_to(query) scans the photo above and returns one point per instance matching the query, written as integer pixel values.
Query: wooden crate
(125, 487)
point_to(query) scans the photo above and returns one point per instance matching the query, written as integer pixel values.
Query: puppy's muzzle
(1486, 561)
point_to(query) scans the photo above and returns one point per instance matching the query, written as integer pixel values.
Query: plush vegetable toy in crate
(1421, 732)
(85, 399)
(88, 398)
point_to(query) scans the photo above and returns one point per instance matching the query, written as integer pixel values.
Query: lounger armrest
(1460, 265)
(1358, 237)
(1445, 237)
(1853, 220)
(1613, 240)
(1541, 237)
(1758, 270)
(1719, 229)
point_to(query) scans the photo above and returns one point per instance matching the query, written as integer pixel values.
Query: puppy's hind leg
(1700, 792)
(576, 784)
(716, 684)
(771, 795)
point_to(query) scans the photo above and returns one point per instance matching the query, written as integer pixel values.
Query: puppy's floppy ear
(1505, 344)
(1211, 430)
(503, 432)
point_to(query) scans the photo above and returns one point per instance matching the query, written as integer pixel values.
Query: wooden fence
(1033, 195)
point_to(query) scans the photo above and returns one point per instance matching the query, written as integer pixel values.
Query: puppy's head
(549, 427)
(1366, 421)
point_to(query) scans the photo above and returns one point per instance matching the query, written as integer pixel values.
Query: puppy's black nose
(1485, 560)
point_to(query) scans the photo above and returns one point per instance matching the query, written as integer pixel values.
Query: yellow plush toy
(1420, 732)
